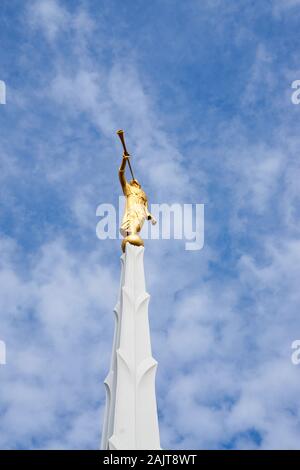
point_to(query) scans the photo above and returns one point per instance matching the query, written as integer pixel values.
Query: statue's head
(135, 183)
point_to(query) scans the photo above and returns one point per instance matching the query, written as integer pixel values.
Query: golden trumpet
(121, 133)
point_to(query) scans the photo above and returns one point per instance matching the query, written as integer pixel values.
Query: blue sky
(203, 90)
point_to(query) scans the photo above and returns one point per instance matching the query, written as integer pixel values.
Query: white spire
(130, 419)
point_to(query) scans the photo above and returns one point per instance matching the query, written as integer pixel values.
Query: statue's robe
(136, 208)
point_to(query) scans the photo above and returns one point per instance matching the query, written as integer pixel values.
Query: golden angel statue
(136, 204)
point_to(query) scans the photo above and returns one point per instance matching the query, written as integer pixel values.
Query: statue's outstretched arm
(149, 215)
(122, 176)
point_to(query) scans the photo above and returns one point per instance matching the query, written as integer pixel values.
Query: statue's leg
(133, 234)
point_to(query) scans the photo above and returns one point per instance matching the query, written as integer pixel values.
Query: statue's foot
(134, 239)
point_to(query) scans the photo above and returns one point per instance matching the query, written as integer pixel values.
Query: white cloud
(280, 6)
(49, 15)
(58, 324)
